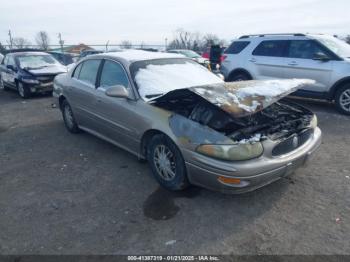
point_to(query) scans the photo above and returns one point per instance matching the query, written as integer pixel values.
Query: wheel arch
(146, 137)
(336, 86)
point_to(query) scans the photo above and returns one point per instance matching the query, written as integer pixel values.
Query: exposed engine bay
(278, 120)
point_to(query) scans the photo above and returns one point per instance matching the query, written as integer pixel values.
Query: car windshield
(36, 61)
(189, 53)
(154, 78)
(337, 46)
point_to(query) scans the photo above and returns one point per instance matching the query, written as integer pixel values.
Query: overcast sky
(151, 21)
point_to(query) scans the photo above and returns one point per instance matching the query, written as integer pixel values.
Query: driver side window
(113, 74)
(304, 49)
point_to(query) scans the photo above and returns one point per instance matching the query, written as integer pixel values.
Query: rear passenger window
(271, 48)
(236, 47)
(89, 70)
(113, 74)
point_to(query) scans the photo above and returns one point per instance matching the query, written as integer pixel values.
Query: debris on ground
(170, 242)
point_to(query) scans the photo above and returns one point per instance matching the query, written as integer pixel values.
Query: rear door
(81, 93)
(117, 116)
(301, 64)
(268, 59)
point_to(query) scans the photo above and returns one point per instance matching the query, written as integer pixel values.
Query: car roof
(139, 55)
(281, 36)
(28, 53)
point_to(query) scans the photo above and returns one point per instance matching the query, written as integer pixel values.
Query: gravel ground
(76, 194)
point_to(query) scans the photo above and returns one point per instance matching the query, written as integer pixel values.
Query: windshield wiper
(152, 95)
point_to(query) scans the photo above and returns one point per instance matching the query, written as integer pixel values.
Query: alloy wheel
(344, 100)
(164, 161)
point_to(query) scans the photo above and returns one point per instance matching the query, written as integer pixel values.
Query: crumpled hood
(244, 98)
(50, 70)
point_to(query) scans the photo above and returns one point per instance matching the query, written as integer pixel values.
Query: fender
(330, 95)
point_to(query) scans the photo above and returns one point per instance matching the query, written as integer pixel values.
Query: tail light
(223, 57)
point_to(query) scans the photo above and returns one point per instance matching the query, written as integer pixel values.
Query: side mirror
(11, 67)
(117, 91)
(321, 57)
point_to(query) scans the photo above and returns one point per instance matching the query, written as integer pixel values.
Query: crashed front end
(236, 137)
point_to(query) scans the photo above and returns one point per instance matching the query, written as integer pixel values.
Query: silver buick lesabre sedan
(192, 127)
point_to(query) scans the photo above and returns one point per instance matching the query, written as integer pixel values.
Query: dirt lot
(76, 194)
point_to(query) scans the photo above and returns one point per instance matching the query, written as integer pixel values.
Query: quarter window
(236, 47)
(305, 49)
(113, 74)
(271, 48)
(89, 70)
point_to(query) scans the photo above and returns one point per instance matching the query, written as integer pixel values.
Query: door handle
(253, 60)
(293, 63)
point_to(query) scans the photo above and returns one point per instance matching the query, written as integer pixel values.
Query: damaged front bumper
(41, 88)
(252, 174)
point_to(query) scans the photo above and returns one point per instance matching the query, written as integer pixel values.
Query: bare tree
(42, 39)
(188, 40)
(20, 42)
(126, 44)
(2, 49)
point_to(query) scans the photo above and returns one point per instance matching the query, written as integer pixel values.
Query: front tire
(68, 118)
(23, 90)
(342, 99)
(240, 76)
(167, 163)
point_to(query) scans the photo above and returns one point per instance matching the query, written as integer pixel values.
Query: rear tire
(342, 99)
(167, 163)
(240, 76)
(23, 90)
(68, 118)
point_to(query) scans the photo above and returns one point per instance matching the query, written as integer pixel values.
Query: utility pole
(166, 44)
(107, 46)
(61, 42)
(11, 41)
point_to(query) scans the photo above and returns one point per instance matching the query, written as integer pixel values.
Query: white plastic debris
(170, 242)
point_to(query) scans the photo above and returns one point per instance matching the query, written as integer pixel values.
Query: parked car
(191, 126)
(29, 72)
(322, 58)
(85, 53)
(64, 58)
(191, 54)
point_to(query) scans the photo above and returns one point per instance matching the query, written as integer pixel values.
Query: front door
(117, 116)
(301, 64)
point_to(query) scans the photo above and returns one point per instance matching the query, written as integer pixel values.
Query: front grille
(292, 142)
(45, 79)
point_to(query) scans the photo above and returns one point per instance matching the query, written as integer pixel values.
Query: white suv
(325, 59)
